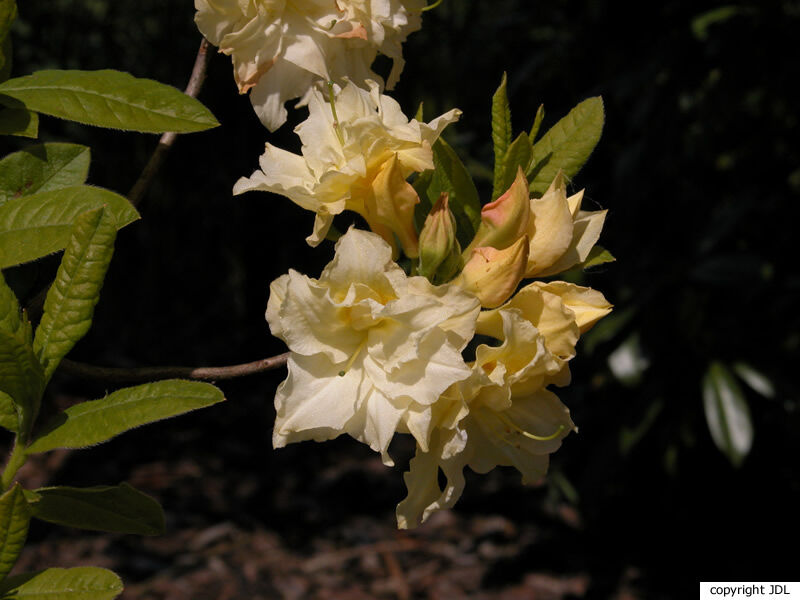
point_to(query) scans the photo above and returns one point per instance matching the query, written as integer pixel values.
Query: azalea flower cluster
(460, 350)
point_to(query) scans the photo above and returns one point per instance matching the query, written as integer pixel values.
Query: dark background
(699, 168)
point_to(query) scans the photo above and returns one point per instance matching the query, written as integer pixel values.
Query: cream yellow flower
(281, 49)
(371, 349)
(502, 415)
(357, 160)
(560, 234)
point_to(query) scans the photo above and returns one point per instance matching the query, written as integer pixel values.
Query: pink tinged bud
(439, 251)
(505, 220)
(390, 207)
(493, 275)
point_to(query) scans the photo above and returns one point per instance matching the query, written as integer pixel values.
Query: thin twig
(152, 167)
(121, 374)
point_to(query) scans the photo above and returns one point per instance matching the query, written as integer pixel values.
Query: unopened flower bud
(439, 251)
(493, 275)
(505, 220)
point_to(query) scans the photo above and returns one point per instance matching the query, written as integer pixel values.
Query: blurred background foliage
(699, 166)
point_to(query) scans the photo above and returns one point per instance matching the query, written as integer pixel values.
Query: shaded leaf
(110, 99)
(118, 509)
(40, 224)
(97, 421)
(79, 583)
(14, 519)
(501, 134)
(70, 302)
(42, 168)
(8, 413)
(727, 414)
(451, 176)
(567, 145)
(19, 122)
(21, 376)
(8, 13)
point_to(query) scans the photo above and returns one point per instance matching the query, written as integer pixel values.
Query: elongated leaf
(21, 375)
(118, 509)
(451, 176)
(40, 224)
(567, 145)
(756, 380)
(79, 583)
(518, 155)
(14, 519)
(501, 135)
(8, 413)
(19, 122)
(537, 123)
(70, 302)
(42, 168)
(97, 421)
(110, 99)
(727, 414)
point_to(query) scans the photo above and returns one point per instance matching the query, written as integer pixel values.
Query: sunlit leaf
(40, 224)
(501, 135)
(727, 414)
(110, 99)
(42, 168)
(537, 123)
(8, 413)
(567, 145)
(518, 156)
(118, 509)
(14, 519)
(597, 256)
(756, 380)
(79, 583)
(97, 421)
(70, 302)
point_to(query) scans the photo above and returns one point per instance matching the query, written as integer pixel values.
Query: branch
(123, 375)
(152, 167)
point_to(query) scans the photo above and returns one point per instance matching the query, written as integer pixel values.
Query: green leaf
(756, 380)
(567, 145)
(70, 302)
(8, 413)
(14, 519)
(21, 375)
(8, 13)
(501, 135)
(19, 121)
(79, 583)
(518, 155)
(118, 509)
(97, 421)
(597, 256)
(537, 123)
(110, 99)
(42, 168)
(451, 176)
(40, 224)
(421, 210)
(727, 414)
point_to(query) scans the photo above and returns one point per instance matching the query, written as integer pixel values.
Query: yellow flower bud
(439, 251)
(505, 220)
(493, 275)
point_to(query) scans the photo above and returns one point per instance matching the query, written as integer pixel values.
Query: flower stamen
(336, 126)
(508, 422)
(353, 357)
